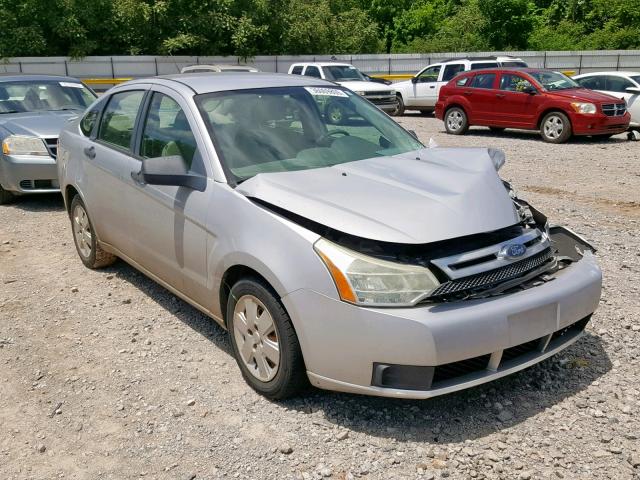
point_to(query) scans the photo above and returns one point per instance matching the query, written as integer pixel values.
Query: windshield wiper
(64, 109)
(10, 111)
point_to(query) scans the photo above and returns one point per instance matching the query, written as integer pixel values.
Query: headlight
(584, 107)
(361, 93)
(19, 145)
(368, 281)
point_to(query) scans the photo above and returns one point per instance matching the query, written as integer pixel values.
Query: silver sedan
(349, 256)
(33, 110)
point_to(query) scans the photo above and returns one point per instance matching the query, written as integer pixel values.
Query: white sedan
(624, 85)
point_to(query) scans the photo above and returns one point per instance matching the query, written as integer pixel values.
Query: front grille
(26, 184)
(38, 184)
(614, 109)
(522, 349)
(459, 369)
(486, 280)
(52, 146)
(379, 94)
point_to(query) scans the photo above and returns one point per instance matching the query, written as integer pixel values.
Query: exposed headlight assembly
(23, 145)
(368, 281)
(584, 107)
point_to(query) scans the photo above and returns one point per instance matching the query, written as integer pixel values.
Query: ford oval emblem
(512, 250)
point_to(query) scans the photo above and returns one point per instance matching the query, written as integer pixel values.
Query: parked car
(33, 109)
(421, 92)
(349, 256)
(348, 76)
(218, 68)
(533, 99)
(623, 85)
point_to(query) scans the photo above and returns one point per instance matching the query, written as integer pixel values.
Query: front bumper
(342, 342)
(386, 103)
(28, 174)
(599, 124)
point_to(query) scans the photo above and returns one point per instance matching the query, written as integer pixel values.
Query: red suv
(532, 99)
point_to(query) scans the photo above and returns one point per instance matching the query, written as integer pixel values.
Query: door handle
(500, 95)
(467, 93)
(432, 86)
(90, 152)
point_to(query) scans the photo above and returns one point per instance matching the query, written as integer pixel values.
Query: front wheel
(264, 341)
(335, 113)
(555, 127)
(5, 196)
(399, 110)
(89, 251)
(455, 121)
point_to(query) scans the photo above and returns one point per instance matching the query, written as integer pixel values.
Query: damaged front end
(511, 259)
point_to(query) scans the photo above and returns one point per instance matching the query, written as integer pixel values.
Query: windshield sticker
(329, 92)
(71, 85)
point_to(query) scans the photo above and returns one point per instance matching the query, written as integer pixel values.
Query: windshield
(513, 64)
(37, 96)
(342, 73)
(297, 128)
(554, 80)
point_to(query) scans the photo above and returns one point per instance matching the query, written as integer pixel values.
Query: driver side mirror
(633, 90)
(530, 89)
(170, 170)
(414, 80)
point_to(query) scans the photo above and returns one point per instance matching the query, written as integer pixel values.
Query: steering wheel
(327, 136)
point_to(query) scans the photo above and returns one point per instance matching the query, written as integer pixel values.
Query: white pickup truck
(382, 96)
(421, 91)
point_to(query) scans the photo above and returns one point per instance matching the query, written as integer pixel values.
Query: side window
(482, 65)
(297, 70)
(513, 83)
(451, 71)
(430, 75)
(617, 84)
(312, 71)
(483, 80)
(119, 118)
(462, 82)
(594, 83)
(89, 120)
(167, 131)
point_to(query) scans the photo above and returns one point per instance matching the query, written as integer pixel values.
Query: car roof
(491, 58)
(509, 69)
(227, 81)
(323, 64)
(620, 73)
(35, 77)
(221, 66)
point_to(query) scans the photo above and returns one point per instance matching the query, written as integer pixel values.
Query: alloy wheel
(455, 120)
(82, 231)
(553, 127)
(256, 337)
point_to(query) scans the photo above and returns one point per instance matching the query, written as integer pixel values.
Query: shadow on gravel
(532, 135)
(50, 202)
(184, 312)
(468, 414)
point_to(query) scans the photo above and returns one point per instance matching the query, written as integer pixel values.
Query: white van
(421, 92)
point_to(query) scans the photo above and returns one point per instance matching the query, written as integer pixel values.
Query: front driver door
(513, 106)
(170, 222)
(423, 92)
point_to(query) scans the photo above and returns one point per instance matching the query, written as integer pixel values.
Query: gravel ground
(105, 375)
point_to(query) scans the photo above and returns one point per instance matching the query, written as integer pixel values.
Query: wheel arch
(549, 110)
(69, 192)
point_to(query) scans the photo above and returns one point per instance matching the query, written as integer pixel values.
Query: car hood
(584, 95)
(420, 197)
(366, 86)
(37, 124)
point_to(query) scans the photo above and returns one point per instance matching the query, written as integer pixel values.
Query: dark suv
(532, 99)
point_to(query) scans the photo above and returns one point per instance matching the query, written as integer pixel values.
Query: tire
(456, 121)
(89, 251)
(5, 196)
(555, 127)
(335, 113)
(496, 129)
(276, 376)
(399, 111)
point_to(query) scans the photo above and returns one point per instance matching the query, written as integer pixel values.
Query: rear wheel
(455, 121)
(89, 251)
(5, 196)
(264, 341)
(335, 113)
(399, 110)
(555, 127)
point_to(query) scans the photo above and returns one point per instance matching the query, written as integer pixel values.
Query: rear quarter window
(297, 70)
(461, 82)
